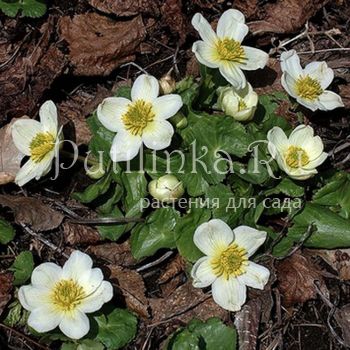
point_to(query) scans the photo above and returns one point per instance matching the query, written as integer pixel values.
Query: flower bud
(239, 104)
(167, 84)
(179, 120)
(166, 189)
(95, 172)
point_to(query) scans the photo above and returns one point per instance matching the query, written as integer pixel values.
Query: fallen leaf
(175, 19)
(176, 266)
(10, 156)
(80, 234)
(184, 304)
(296, 277)
(286, 16)
(249, 8)
(32, 212)
(342, 317)
(344, 92)
(338, 259)
(6, 280)
(97, 44)
(127, 7)
(132, 287)
(114, 253)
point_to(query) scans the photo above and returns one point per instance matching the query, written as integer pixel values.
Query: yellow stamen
(230, 262)
(230, 50)
(67, 295)
(241, 105)
(138, 116)
(41, 145)
(308, 88)
(296, 157)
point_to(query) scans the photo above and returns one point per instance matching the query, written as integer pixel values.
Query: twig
(324, 50)
(135, 65)
(44, 241)
(10, 329)
(155, 262)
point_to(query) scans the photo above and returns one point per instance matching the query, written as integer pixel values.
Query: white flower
(141, 120)
(226, 266)
(308, 86)
(239, 104)
(61, 297)
(300, 154)
(167, 188)
(223, 49)
(38, 140)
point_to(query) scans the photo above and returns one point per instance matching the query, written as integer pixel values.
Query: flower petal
(255, 58)
(102, 295)
(26, 173)
(329, 100)
(316, 162)
(158, 135)
(44, 319)
(205, 54)
(288, 83)
(202, 273)
(32, 297)
(229, 294)
(290, 63)
(212, 235)
(75, 325)
(166, 106)
(233, 74)
(90, 280)
(256, 276)
(300, 173)
(202, 26)
(249, 238)
(23, 132)
(48, 117)
(110, 111)
(278, 141)
(146, 87)
(125, 147)
(46, 275)
(301, 134)
(76, 266)
(321, 72)
(231, 25)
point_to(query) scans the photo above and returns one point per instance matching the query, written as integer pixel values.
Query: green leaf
(113, 232)
(29, 8)
(184, 232)
(86, 344)
(288, 187)
(7, 232)
(116, 329)
(10, 8)
(95, 190)
(336, 193)
(331, 230)
(156, 233)
(209, 335)
(17, 316)
(124, 91)
(22, 268)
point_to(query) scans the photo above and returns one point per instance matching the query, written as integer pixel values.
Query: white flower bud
(166, 189)
(167, 84)
(239, 104)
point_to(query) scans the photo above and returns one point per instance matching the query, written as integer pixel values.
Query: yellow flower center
(42, 144)
(230, 50)
(241, 105)
(296, 157)
(67, 295)
(138, 116)
(230, 262)
(308, 88)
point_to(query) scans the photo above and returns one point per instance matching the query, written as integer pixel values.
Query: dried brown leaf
(80, 234)
(10, 156)
(175, 266)
(342, 317)
(133, 288)
(249, 8)
(114, 253)
(338, 259)
(296, 277)
(97, 44)
(345, 94)
(126, 7)
(6, 279)
(32, 212)
(184, 304)
(286, 16)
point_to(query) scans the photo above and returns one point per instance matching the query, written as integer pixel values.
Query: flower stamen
(42, 144)
(296, 157)
(67, 295)
(230, 50)
(230, 262)
(308, 88)
(138, 116)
